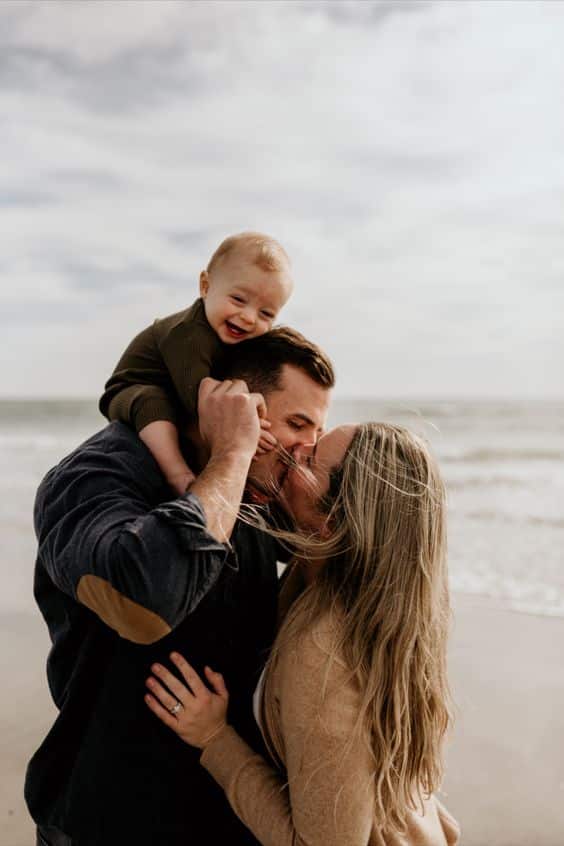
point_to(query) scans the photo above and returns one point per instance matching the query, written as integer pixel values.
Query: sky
(409, 156)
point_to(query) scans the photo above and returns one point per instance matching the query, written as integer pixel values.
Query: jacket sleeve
(142, 568)
(326, 796)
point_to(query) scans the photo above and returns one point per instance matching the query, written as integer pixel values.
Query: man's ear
(204, 284)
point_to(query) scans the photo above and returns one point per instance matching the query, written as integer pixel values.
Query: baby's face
(242, 300)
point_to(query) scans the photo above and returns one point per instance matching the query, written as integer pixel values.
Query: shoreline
(504, 764)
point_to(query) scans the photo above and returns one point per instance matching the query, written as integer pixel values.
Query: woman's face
(309, 481)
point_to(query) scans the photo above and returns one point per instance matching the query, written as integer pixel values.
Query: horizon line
(337, 396)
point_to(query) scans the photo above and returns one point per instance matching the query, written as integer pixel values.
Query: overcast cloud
(410, 156)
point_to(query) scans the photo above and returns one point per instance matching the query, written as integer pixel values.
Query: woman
(354, 700)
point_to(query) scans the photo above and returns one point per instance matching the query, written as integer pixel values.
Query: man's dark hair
(260, 361)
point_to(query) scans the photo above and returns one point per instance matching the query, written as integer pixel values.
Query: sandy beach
(27, 712)
(505, 764)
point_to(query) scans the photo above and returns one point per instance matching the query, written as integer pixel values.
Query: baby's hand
(266, 440)
(180, 482)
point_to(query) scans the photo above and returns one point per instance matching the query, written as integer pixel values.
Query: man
(124, 575)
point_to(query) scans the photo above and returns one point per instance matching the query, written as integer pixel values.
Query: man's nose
(302, 451)
(307, 437)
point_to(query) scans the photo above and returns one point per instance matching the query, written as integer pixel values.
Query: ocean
(503, 463)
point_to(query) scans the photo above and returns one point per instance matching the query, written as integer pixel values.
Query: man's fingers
(229, 416)
(207, 385)
(189, 673)
(237, 386)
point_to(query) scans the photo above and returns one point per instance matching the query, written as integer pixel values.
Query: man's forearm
(220, 489)
(140, 569)
(229, 419)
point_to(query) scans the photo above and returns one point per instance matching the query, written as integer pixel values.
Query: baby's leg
(135, 405)
(161, 438)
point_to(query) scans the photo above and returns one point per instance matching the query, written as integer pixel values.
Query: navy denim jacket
(123, 576)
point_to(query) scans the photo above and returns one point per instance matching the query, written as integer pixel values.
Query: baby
(154, 387)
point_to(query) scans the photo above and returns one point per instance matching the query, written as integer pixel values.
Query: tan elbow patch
(129, 619)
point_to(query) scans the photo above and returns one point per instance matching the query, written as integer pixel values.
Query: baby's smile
(236, 331)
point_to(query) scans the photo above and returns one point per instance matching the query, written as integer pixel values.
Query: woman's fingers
(195, 713)
(189, 673)
(180, 691)
(166, 699)
(217, 682)
(165, 716)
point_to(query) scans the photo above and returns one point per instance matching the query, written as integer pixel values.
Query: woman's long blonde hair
(385, 581)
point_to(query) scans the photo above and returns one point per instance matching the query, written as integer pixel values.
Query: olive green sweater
(158, 375)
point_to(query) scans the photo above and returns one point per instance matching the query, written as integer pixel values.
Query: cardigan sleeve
(326, 797)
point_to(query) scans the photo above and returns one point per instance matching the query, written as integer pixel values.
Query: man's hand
(229, 417)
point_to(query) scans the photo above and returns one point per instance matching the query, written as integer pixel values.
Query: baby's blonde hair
(265, 252)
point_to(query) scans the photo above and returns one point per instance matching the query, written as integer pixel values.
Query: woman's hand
(195, 713)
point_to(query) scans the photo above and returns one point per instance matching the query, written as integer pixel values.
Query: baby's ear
(204, 283)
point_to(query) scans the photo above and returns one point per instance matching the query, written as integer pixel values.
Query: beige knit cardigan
(323, 797)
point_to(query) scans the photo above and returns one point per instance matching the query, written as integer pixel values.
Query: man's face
(308, 481)
(297, 412)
